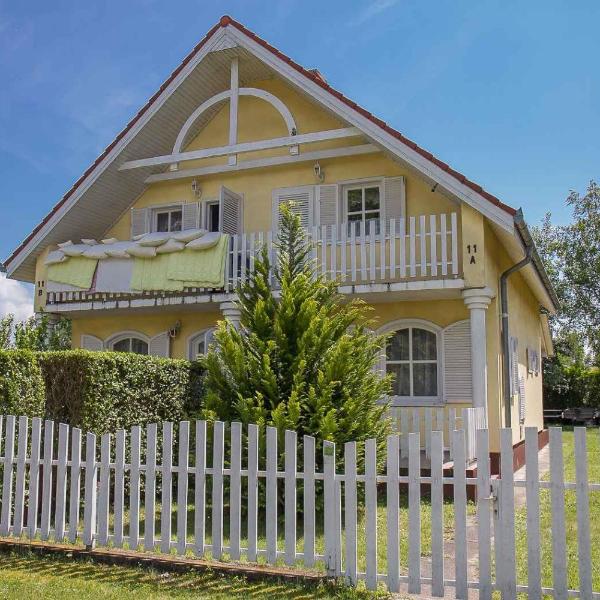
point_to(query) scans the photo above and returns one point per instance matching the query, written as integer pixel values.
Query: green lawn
(29, 577)
(593, 443)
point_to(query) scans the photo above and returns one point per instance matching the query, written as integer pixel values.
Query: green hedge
(99, 391)
(21, 384)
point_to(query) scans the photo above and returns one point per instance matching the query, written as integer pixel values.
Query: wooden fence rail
(244, 493)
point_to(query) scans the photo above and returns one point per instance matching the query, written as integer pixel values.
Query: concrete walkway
(472, 542)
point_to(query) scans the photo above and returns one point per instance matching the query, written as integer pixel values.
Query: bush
(21, 384)
(105, 391)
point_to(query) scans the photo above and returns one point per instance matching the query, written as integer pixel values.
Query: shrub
(21, 384)
(105, 391)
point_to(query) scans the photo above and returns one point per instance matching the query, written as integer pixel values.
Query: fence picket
(235, 491)
(217, 489)
(393, 513)
(20, 479)
(104, 490)
(166, 487)
(583, 513)
(34, 475)
(423, 241)
(182, 485)
(371, 512)
(134, 487)
(200, 489)
(61, 482)
(271, 514)
(290, 497)
(433, 242)
(507, 530)
(150, 487)
(330, 507)
(484, 507)
(119, 499)
(75, 490)
(444, 243)
(437, 513)
(90, 492)
(363, 251)
(308, 500)
(252, 492)
(414, 513)
(46, 476)
(460, 512)
(532, 493)
(350, 511)
(413, 253)
(557, 502)
(7, 475)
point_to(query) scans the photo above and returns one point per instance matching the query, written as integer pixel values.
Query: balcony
(387, 255)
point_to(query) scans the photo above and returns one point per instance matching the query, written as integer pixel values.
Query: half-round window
(199, 343)
(412, 358)
(129, 343)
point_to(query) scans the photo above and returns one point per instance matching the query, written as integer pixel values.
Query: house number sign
(472, 251)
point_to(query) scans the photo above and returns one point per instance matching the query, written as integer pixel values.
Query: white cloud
(15, 298)
(372, 10)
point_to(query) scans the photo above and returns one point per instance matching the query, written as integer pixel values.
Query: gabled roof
(21, 263)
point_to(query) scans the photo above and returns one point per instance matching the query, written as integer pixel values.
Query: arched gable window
(198, 344)
(413, 357)
(129, 342)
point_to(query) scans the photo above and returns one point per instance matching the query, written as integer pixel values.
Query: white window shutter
(160, 345)
(191, 215)
(394, 194)
(302, 199)
(92, 343)
(328, 203)
(514, 366)
(522, 399)
(230, 212)
(458, 385)
(140, 221)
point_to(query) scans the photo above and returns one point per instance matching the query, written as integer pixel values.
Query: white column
(477, 301)
(231, 312)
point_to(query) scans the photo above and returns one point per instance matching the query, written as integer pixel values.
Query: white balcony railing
(385, 251)
(393, 250)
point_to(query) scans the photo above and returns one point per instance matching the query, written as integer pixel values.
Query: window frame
(166, 208)
(412, 400)
(195, 338)
(362, 185)
(124, 335)
(206, 206)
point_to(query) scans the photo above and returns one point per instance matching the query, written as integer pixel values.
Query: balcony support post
(477, 301)
(231, 312)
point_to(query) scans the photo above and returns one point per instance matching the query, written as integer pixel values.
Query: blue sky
(506, 92)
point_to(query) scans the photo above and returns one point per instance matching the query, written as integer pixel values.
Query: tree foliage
(36, 333)
(302, 359)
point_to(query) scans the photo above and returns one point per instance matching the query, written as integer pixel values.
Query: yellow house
(239, 128)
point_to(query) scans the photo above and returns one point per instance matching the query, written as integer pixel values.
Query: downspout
(529, 249)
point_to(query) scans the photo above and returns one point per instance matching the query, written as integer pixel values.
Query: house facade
(145, 251)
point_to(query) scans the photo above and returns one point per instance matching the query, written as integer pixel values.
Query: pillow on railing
(206, 241)
(57, 256)
(170, 246)
(110, 241)
(119, 249)
(142, 251)
(65, 244)
(89, 241)
(74, 249)
(188, 235)
(156, 238)
(96, 251)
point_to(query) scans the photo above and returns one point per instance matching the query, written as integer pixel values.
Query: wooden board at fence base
(313, 487)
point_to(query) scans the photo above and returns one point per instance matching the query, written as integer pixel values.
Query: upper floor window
(128, 343)
(199, 343)
(168, 219)
(363, 205)
(412, 357)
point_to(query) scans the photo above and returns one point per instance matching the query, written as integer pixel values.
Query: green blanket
(77, 271)
(179, 270)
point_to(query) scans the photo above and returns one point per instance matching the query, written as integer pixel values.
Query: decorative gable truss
(292, 141)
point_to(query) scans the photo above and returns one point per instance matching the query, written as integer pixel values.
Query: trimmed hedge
(21, 384)
(99, 391)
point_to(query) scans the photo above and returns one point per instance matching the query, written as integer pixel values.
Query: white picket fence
(58, 487)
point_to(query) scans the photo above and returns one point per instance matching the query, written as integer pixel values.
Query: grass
(593, 447)
(30, 577)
